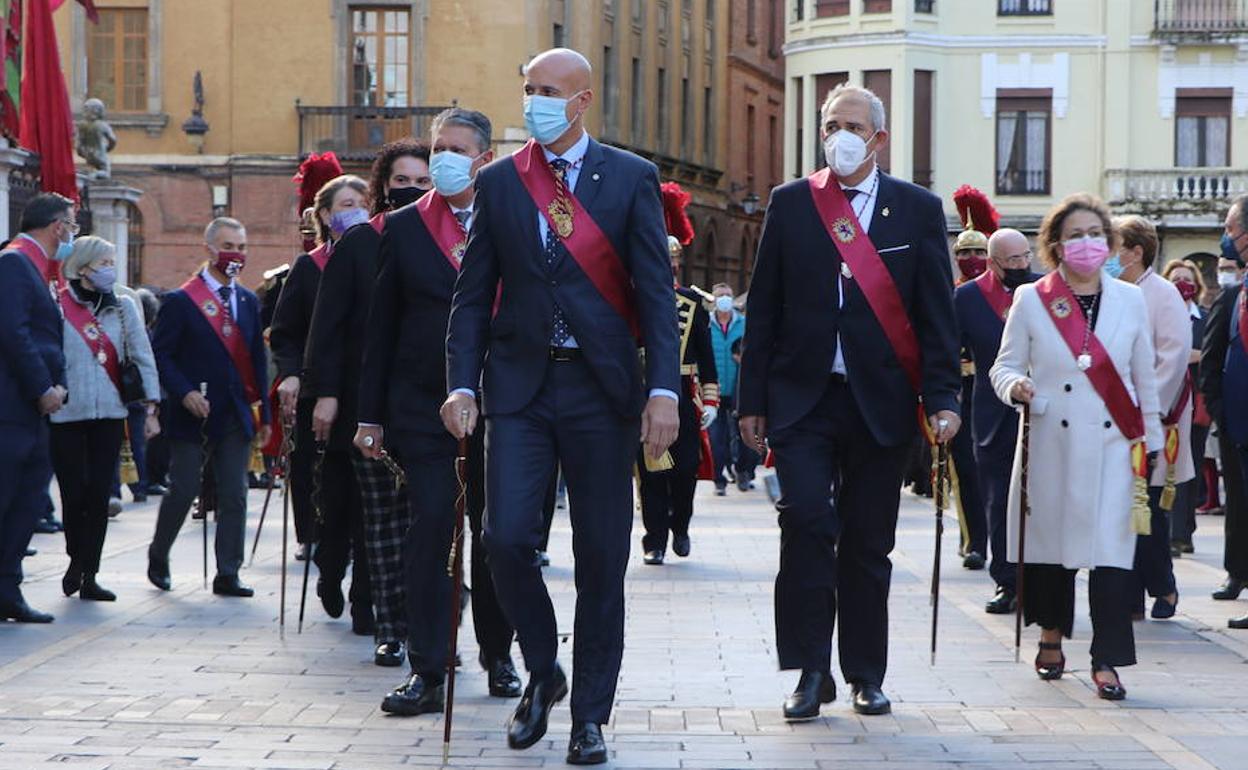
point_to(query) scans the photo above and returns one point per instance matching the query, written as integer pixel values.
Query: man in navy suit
(209, 348)
(980, 306)
(835, 385)
(32, 377)
(574, 232)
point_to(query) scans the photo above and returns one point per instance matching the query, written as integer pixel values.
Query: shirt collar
(866, 185)
(213, 283)
(1193, 309)
(574, 154)
(1144, 276)
(37, 243)
(467, 208)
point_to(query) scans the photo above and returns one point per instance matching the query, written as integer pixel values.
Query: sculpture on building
(96, 139)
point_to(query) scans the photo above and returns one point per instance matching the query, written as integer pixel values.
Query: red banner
(1068, 317)
(585, 241)
(443, 227)
(222, 322)
(101, 347)
(995, 293)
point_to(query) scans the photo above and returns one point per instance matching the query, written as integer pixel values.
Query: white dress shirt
(575, 156)
(216, 285)
(863, 205)
(467, 220)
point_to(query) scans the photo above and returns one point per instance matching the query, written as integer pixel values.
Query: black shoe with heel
(1050, 671)
(72, 580)
(1105, 689)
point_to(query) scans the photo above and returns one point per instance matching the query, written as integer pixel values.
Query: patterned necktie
(462, 216)
(224, 293)
(554, 252)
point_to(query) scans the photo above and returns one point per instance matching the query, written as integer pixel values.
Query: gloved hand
(709, 413)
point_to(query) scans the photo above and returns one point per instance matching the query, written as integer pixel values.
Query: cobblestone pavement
(190, 680)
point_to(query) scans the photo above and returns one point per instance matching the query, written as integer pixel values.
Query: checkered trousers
(386, 519)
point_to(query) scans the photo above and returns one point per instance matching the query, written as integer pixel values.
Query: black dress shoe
(46, 527)
(158, 574)
(157, 490)
(30, 551)
(388, 654)
(1002, 603)
(813, 689)
(139, 497)
(973, 561)
(586, 747)
(1230, 589)
(870, 699)
(1163, 608)
(504, 681)
(302, 552)
(21, 612)
(543, 558)
(94, 592)
(330, 591)
(1239, 623)
(528, 723)
(653, 558)
(414, 697)
(72, 580)
(230, 585)
(680, 545)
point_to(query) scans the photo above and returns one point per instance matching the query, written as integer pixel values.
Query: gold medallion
(91, 331)
(210, 308)
(560, 211)
(457, 251)
(844, 230)
(1060, 307)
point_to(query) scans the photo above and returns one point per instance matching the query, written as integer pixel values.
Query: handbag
(131, 389)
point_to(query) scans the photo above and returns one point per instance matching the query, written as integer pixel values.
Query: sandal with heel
(1050, 671)
(1108, 690)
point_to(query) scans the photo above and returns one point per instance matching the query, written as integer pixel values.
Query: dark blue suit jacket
(188, 352)
(794, 318)
(32, 356)
(981, 329)
(621, 192)
(1224, 368)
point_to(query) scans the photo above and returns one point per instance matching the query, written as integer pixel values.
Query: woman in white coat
(1069, 337)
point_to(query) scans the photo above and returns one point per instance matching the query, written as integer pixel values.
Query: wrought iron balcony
(1175, 190)
(1177, 20)
(355, 133)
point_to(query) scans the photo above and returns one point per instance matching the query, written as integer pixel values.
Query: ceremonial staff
(455, 569)
(203, 466)
(1024, 510)
(942, 483)
(288, 446)
(318, 519)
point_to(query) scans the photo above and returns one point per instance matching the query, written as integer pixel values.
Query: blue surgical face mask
(546, 117)
(342, 221)
(102, 278)
(723, 303)
(1228, 249)
(64, 249)
(451, 172)
(1113, 266)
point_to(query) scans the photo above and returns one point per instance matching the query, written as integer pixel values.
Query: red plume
(675, 199)
(983, 217)
(312, 175)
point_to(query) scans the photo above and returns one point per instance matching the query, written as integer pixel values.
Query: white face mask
(845, 151)
(1227, 279)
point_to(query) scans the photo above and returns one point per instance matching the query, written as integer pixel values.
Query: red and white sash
(995, 293)
(228, 332)
(101, 347)
(445, 229)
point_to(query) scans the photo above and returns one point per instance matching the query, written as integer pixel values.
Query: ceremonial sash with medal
(443, 227)
(1093, 360)
(580, 234)
(228, 332)
(320, 255)
(46, 267)
(1171, 423)
(995, 294)
(101, 347)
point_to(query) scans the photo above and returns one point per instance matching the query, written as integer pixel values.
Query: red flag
(89, 5)
(47, 122)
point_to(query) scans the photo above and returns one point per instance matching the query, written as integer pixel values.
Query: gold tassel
(1167, 492)
(129, 471)
(664, 463)
(1141, 517)
(257, 461)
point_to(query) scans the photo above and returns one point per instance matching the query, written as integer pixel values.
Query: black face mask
(401, 196)
(1013, 277)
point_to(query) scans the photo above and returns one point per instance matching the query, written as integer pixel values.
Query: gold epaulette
(710, 392)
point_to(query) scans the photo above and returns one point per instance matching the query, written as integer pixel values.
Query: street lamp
(749, 203)
(195, 126)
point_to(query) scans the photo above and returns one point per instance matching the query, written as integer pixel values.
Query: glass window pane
(1215, 141)
(1187, 141)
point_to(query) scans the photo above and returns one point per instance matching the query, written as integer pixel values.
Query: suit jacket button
(1065, 424)
(1108, 424)
(1068, 387)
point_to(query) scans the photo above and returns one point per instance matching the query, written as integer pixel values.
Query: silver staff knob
(369, 441)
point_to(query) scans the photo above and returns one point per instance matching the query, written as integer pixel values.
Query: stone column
(10, 158)
(110, 210)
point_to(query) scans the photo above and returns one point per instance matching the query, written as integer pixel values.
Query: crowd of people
(464, 326)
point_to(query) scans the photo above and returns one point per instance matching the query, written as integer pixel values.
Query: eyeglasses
(1024, 258)
(73, 226)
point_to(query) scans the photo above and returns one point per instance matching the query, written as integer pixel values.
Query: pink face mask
(1085, 255)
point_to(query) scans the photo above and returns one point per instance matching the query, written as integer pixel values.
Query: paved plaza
(189, 680)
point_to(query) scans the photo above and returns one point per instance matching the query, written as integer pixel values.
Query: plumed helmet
(979, 219)
(970, 239)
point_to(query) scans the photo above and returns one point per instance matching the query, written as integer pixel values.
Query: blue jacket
(721, 345)
(188, 352)
(31, 357)
(1224, 368)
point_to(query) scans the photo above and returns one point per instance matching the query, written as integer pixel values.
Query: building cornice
(933, 40)
(740, 62)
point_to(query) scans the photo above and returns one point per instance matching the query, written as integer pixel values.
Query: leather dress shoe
(1003, 602)
(504, 681)
(1230, 589)
(302, 552)
(330, 591)
(31, 551)
(94, 592)
(813, 689)
(586, 747)
(388, 654)
(47, 526)
(414, 697)
(1163, 608)
(527, 725)
(870, 699)
(543, 558)
(114, 507)
(72, 580)
(973, 561)
(22, 612)
(230, 585)
(653, 558)
(680, 545)
(158, 574)
(157, 490)
(1238, 623)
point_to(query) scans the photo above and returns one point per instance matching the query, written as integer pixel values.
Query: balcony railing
(1199, 19)
(1176, 188)
(1023, 182)
(1024, 7)
(356, 133)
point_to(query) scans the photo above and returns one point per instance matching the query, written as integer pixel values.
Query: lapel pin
(885, 211)
(595, 177)
(845, 271)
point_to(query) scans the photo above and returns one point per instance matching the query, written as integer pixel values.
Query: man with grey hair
(402, 386)
(838, 352)
(210, 353)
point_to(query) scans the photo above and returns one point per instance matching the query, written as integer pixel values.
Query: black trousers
(995, 462)
(84, 455)
(1154, 566)
(302, 465)
(1190, 493)
(1234, 473)
(1049, 601)
(25, 472)
(568, 421)
(834, 550)
(429, 462)
(548, 509)
(341, 537)
(667, 496)
(974, 536)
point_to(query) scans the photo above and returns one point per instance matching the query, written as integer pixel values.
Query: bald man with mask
(574, 232)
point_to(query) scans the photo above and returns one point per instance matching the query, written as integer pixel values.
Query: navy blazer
(621, 192)
(981, 329)
(794, 317)
(188, 352)
(32, 355)
(1224, 368)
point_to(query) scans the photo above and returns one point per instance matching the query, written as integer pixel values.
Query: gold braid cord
(952, 490)
(461, 503)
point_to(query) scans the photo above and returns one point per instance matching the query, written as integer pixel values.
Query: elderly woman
(1186, 277)
(1077, 350)
(104, 336)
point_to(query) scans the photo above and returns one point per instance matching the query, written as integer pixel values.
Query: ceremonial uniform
(667, 495)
